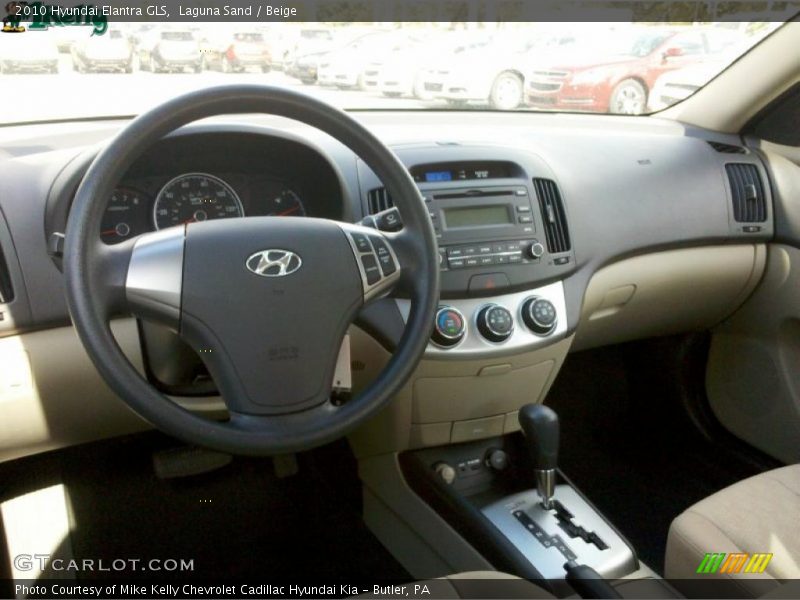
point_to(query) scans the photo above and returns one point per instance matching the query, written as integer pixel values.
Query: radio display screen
(477, 216)
(438, 176)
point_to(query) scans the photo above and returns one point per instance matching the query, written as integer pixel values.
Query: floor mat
(628, 445)
(239, 522)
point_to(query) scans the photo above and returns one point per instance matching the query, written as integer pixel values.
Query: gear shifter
(539, 423)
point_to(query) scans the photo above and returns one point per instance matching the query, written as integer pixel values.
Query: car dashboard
(555, 233)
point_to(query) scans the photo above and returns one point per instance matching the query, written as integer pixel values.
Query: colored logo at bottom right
(734, 562)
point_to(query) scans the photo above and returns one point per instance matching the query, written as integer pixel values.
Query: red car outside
(620, 78)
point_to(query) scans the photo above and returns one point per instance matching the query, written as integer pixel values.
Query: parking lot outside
(624, 69)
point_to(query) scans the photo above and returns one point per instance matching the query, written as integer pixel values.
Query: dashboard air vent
(379, 199)
(6, 291)
(553, 215)
(747, 190)
(727, 148)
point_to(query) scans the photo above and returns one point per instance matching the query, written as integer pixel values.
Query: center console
(504, 245)
(506, 497)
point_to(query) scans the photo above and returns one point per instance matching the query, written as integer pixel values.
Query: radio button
(455, 252)
(535, 250)
(457, 263)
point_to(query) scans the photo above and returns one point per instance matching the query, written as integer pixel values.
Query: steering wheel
(264, 301)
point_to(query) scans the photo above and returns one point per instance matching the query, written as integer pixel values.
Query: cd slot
(475, 193)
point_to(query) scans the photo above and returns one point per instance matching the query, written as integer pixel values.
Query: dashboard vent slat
(747, 193)
(6, 290)
(727, 148)
(378, 199)
(553, 215)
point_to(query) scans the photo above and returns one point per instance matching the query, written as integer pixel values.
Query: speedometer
(195, 197)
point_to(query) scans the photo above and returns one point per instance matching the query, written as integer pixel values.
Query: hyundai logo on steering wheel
(274, 263)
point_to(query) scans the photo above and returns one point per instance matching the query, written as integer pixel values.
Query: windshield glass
(617, 68)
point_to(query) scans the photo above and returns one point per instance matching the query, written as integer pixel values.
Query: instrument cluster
(147, 204)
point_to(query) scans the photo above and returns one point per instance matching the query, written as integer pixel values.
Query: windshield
(616, 68)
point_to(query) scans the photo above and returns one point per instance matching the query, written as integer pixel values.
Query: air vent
(6, 291)
(379, 200)
(553, 215)
(747, 191)
(727, 148)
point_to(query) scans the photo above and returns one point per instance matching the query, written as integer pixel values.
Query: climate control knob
(539, 315)
(449, 328)
(495, 323)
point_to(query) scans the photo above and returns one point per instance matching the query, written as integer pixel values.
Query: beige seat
(758, 515)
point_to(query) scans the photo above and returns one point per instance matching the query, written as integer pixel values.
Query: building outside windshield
(615, 66)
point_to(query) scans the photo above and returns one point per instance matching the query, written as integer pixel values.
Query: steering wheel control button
(495, 323)
(371, 269)
(384, 256)
(539, 315)
(376, 259)
(361, 242)
(449, 327)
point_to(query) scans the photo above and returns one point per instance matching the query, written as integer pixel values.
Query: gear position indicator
(548, 541)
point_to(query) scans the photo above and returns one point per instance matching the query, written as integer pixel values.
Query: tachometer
(285, 204)
(125, 216)
(195, 197)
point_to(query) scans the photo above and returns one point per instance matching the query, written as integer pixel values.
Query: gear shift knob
(539, 423)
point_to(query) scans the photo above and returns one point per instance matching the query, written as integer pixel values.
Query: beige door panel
(753, 376)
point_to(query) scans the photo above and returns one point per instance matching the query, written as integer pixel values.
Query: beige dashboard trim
(52, 396)
(667, 292)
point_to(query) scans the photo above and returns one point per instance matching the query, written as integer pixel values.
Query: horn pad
(266, 302)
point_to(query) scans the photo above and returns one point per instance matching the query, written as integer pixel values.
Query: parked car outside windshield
(577, 67)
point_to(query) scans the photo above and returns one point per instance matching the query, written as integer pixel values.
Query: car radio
(483, 227)
(500, 227)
